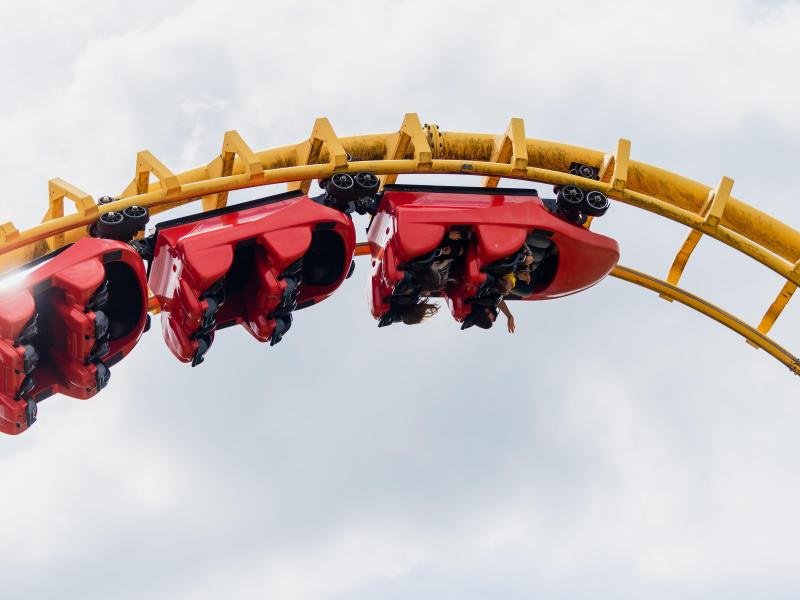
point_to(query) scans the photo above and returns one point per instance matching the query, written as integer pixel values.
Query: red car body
(250, 245)
(413, 220)
(57, 293)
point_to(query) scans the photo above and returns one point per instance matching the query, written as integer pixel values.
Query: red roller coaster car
(250, 264)
(65, 323)
(412, 221)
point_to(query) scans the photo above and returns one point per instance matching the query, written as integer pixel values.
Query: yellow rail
(417, 148)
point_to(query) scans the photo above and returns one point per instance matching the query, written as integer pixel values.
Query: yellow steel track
(415, 149)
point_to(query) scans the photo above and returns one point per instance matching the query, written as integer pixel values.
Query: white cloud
(617, 445)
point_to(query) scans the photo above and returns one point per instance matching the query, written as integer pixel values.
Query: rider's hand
(455, 235)
(511, 325)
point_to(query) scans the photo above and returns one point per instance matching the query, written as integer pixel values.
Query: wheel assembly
(595, 204)
(120, 225)
(341, 186)
(367, 182)
(570, 199)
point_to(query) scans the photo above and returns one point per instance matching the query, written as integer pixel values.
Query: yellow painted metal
(718, 201)
(8, 232)
(712, 212)
(85, 207)
(679, 264)
(614, 168)
(510, 148)
(232, 146)
(310, 151)
(417, 148)
(411, 136)
(755, 337)
(777, 306)
(147, 163)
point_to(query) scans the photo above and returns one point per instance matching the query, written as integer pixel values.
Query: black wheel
(582, 170)
(111, 225)
(135, 212)
(342, 186)
(595, 204)
(570, 198)
(368, 182)
(342, 182)
(123, 225)
(585, 171)
(136, 218)
(112, 218)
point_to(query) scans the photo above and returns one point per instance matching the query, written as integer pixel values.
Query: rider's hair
(432, 279)
(412, 314)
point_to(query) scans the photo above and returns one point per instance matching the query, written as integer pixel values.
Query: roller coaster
(83, 297)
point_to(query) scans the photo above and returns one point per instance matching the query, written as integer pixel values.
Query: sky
(615, 446)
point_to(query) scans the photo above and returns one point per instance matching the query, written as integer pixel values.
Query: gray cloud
(616, 445)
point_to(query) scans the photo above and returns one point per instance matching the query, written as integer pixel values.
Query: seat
(411, 221)
(249, 264)
(71, 317)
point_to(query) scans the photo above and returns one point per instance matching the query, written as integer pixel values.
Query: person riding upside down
(513, 274)
(427, 275)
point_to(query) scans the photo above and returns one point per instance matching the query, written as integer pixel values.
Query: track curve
(416, 148)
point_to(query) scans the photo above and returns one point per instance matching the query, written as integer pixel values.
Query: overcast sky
(616, 446)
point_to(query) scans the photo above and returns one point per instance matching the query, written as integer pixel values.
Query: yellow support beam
(679, 264)
(59, 190)
(233, 146)
(147, 164)
(511, 147)
(411, 133)
(718, 200)
(712, 212)
(310, 151)
(614, 168)
(776, 308)
(8, 232)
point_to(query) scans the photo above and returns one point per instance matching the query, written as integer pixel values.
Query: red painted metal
(58, 291)
(249, 245)
(412, 221)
